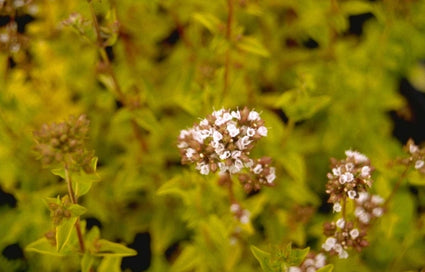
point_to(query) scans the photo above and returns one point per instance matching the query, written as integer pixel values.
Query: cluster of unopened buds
(311, 263)
(349, 180)
(222, 142)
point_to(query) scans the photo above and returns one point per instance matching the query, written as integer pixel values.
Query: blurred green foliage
(154, 67)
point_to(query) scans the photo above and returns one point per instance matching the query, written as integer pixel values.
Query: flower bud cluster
(349, 177)
(311, 263)
(222, 142)
(65, 143)
(60, 211)
(417, 156)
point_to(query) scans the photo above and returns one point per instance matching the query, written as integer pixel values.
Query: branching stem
(397, 185)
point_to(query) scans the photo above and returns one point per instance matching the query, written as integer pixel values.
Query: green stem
(74, 201)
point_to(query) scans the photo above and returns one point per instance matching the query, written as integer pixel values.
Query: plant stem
(104, 57)
(397, 185)
(74, 201)
(229, 39)
(230, 188)
(344, 206)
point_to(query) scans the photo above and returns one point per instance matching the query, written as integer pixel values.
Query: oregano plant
(63, 148)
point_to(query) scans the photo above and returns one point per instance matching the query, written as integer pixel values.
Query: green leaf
(208, 20)
(252, 45)
(295, 166)
(299, 106)
(43, 246)
(59, 172)
(263, 258)
(296, 256)
(146, 119)
(86, 262)
(326, 268)
(356, 7)
(187, 260)
(76, 210)
(172, 187)
(63, 232)
(108, 248)
(110, 264)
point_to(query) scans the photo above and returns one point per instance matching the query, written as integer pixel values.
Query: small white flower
(232, 129)
(309, 262)
(365, 172)
(336, 171)
(227, 117)
(413, 149)
(236, 115)
(352, 194)
(419, 164)
(331, 241)
(243, 142)
(294, 269)
(270, 178)
(257, 169)
(182, 145)
(346, 177)
(337, 207)
(364, 218)
(234, 207)
(245, 217)
(203, 168)
(340, 223)
(359, 211)
(376, 199)
(377, 212)
(184, 133)
(311, 269)
(236, 154)
(205, 133)
(217, 136)
(219, 148)
(204, 122)
(198, 136)
(343, 254)
(249, 163)
(349, 166)
(238, 164)
(262, 131)
(190, 152)
(354, 233)
(250, 132)
(338, 248)
(363, 196)
(226, 154)
(253, 115)
(358, 157)
(4, 37)
(320, 260)
(18, 3)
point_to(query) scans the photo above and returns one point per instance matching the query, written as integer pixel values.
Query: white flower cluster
(350, 176)
(368, 207)
(222, 142)
(332, 244)
(311, 264)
